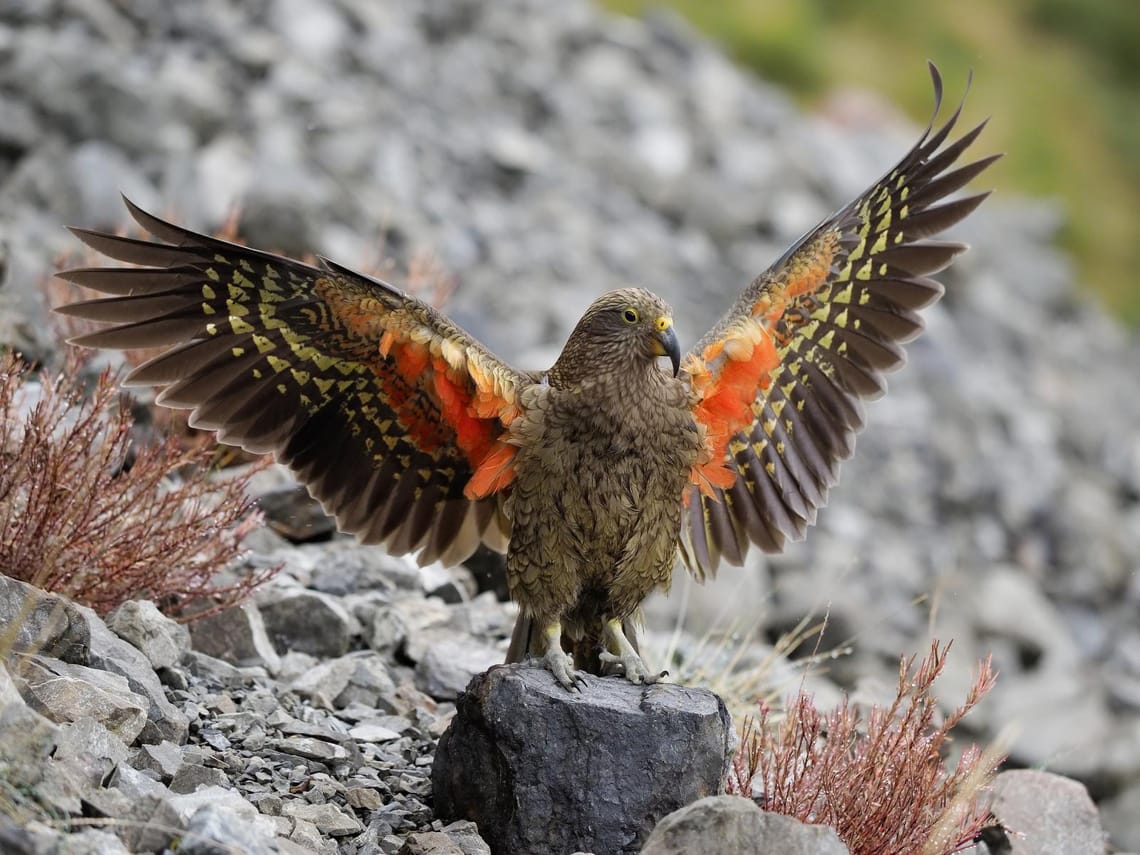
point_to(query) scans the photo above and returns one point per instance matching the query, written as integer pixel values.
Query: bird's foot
(632, 667)
(622, 654)
(558, 662)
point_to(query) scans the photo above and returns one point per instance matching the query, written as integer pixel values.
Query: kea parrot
(593, 476)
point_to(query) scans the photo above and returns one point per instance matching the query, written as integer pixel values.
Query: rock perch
(542, 769)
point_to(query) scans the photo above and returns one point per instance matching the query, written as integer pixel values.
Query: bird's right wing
(391, 415)
(779, 382)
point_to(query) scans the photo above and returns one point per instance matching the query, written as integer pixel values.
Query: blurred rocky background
(545, 152)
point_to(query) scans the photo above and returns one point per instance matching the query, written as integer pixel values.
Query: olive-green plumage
(608, 443)
(594, 476)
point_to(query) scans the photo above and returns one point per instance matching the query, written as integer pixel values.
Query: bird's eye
(630, 316)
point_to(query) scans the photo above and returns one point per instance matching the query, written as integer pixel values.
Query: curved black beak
(665, 343)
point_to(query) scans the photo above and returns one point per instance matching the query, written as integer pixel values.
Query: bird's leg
(558, 661)
(619, 651)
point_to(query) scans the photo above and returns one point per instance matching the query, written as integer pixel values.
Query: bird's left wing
(392, 416)
(778, 383)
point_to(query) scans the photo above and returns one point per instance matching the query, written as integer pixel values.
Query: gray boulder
(541, 769)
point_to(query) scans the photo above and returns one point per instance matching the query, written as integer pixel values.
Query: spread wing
(779, 382)
(391, 415)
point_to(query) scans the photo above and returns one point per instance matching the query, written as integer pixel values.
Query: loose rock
(1048, 814)
(236, 635)
(66, 692)
(730, 825)
(161, 640)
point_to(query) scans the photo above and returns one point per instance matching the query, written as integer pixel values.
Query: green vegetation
(1061, 79)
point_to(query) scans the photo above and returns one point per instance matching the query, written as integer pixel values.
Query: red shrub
(882, 784)
(86, 512)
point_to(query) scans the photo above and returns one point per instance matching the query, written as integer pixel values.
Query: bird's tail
(524, 639)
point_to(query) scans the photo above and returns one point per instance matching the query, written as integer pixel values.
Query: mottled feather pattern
(832, 315)
(592, 475)
(383, 407)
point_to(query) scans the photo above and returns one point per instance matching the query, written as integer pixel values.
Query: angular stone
(187, 805)
(308, 622)
(89, 749)
(364, 798)
(305, 835)
(93, 842)
(65, 692)
(449, 664)
(161, 640)
(328, 818)
(312, 749)
(152, 825)
(27, 741)
(236, 635)
(104, 801)
(453, 585)
(215, 828)
(285, 846)
(368, 683)
(163, 760)
(513, 760)
(360, 677)
(393, 625)
(136, 785)
(216, 671)
(44, 623)
(466, 836)
(347, 567)
(295, 664)
(485, 616)
(731, 825)
(192, 777)
(370, 732)
(429, 843)
(110, 653)
(1053, 815)
(9, 694)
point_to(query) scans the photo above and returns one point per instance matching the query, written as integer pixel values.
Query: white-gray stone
(327, 818)
(731, 825)
(1052, 815)
(67, 692)
(448, 665)
(161, 640)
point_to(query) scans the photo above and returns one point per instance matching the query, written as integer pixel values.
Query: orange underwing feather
(778, 384)
(495, 472)
(731, 383)
(380, 404)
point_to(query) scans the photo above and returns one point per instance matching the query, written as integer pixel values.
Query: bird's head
(621, 329)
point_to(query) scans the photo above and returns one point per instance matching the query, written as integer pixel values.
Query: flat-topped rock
(542, 769)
